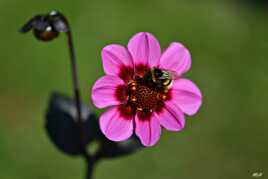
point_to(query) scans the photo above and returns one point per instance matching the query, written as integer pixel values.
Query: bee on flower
(143, 89)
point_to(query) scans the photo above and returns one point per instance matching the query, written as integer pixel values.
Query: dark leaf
(62, 127)
(110, 149)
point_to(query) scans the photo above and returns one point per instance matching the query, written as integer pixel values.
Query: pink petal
(114, 126)
(148, 130)
(114, 58)
(171, 117)
(104, 91)
(145, 49)
(186, 95)
(176, 58)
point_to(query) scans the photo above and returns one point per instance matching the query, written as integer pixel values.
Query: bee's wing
(174, 75)
(170, 74)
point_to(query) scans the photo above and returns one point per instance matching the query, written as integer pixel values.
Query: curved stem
(77, 97)
(47, 27)
(90, 166)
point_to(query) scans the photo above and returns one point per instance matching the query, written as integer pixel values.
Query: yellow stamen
(139, 109)
(164, 97)
(133, 99)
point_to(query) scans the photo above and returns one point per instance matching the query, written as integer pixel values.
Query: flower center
(143, 96)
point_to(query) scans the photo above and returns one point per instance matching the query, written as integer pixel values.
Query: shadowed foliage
(62, 129)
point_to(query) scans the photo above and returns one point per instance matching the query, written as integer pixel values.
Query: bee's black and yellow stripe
(160, 77)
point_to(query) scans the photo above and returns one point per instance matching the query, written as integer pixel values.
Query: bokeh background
(229, 45)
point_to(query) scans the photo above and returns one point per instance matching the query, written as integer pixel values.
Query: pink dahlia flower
(135, 104)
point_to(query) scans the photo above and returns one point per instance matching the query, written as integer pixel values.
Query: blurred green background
(229, 45)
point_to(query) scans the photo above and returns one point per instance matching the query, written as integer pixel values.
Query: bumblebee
(160, 79)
